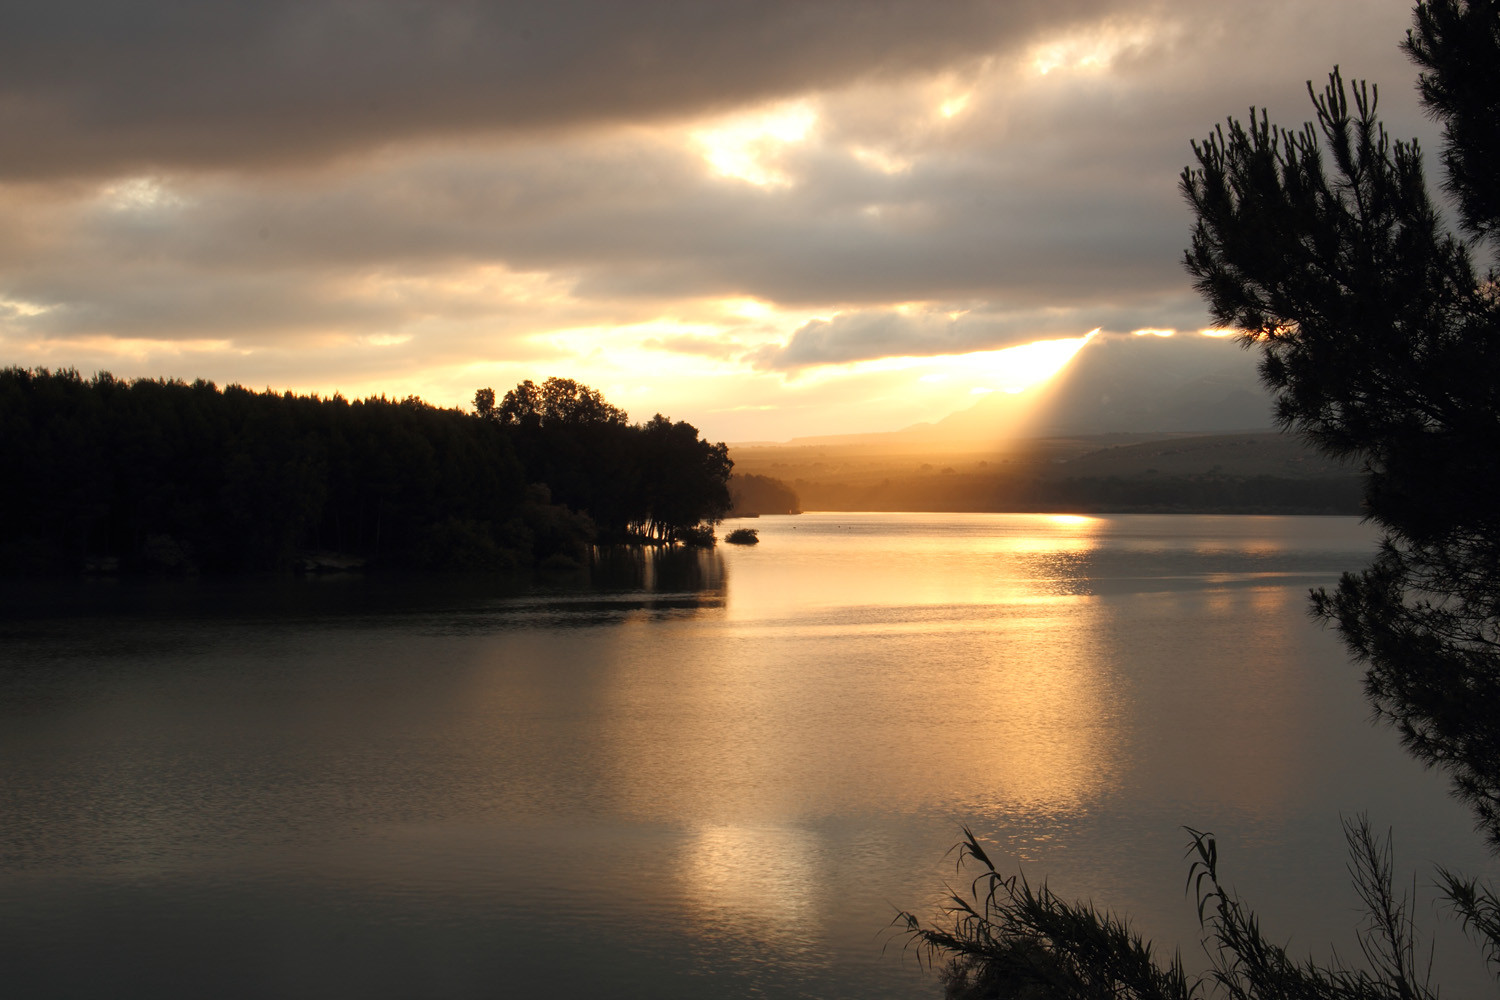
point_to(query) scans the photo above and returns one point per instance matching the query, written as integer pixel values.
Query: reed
(1003, 938)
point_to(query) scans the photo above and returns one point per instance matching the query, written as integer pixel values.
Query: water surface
(706, 774)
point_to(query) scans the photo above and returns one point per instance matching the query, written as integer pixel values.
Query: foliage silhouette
(1005, 938)
(1010, 940)
(656, 482)
(170, 477)
(1381, 344)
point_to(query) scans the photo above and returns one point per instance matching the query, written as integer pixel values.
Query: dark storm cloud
(106, 87)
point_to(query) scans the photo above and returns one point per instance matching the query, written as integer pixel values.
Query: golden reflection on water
(1260, 715)
(1027, 672)
(1055, 742)
(1022, 667)
(1253, 546)
(851, 673)
(743, 741)
(1025, 558)
(759, 882)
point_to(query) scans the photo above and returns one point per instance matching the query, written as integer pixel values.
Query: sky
(771, 219)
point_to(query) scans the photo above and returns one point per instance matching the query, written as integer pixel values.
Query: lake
(702, 774)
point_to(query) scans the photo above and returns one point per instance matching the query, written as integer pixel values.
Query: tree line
(161, 475)
(752, 494)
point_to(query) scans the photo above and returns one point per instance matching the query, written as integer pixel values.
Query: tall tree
(1381, 342)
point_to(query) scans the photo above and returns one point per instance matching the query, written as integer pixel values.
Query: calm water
(710, 775)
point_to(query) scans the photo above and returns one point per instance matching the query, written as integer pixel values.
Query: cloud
(616, 227)
(96, 87)
(877, 333)
(271, 190)
(708, 347)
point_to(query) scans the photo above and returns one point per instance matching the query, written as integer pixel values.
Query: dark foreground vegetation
(104, 475)
(1381, 342)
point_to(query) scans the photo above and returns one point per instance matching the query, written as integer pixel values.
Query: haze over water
(711, 774)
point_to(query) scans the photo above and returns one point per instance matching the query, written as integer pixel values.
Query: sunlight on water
(756, 881)
(714, 773)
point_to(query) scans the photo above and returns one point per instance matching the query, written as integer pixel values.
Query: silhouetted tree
(656, 482)
(175, 477)
(484, 403)
(684, 480)
(1381, 343)
(556, 401)
(1455, 44)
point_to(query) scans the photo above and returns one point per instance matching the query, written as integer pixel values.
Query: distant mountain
(1247, 472)
(1131, 424)
(1246, 454)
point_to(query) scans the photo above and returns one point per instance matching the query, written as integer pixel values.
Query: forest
(165, 476)
(754, 495)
